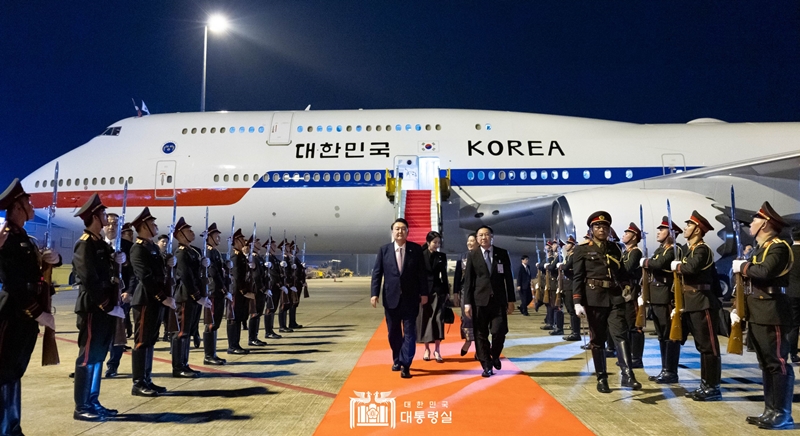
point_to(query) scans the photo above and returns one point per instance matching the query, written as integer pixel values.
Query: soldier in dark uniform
(661, 301)
(190, 297)
(631, 258)
(598, 271)
(217, 294)
(98, 308)
(257, 305)
(274, 281)
(552, 267)
(129, 281)
(540, 266)
(22, 301)
(793, 293)
(149, 299)
(701, 306)
(288, 281)
(569, 305)
(766, 275)
(242, 293)
(299, 281)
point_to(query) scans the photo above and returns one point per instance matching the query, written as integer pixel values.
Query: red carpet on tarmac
(445, 398)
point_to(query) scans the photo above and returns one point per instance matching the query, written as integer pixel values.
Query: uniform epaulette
(139, 241)
(181, 247)
(584, 242)
(85, 237)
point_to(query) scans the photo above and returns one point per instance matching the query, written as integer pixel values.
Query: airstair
(416, 188)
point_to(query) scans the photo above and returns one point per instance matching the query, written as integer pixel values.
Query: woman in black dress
(430, 324)
(467, 334)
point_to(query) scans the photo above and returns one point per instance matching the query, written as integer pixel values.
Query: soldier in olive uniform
(766, 276)
(598, 271)
(551, 266)
(98, 307)
(701, 306)
(569, 305)
(129, 281)
(661, 300)
(152, 294)
(259, 303)
(190, 297)
(22, 301)
(540, 266)
(217, 294)
(631, 258)
(242, 293)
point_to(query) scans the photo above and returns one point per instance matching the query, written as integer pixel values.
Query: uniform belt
(767, 289)
(696, 288)
(594, 283)
(663, 281)
(34, 286)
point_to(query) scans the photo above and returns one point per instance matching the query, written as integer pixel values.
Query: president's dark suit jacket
(412, 283)
(479, 285)
(524, 277)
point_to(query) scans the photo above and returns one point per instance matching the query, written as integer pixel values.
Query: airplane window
(491, 175)
(554, 175)
(276, 177)
(358, 128)
(501, 175)
(470, 175)
(357, 177)
(203, 130)
(130, 180)
(477, 126)
(377, 176)
(216, 177)
(629, 174)
(102, 181)
(251, 129)
(61, 182)
(534, 174)
(225, 178)
(326, 177)
(378, 128)
(306, 177)
(169, 179)
(408, 127)
(255, 177)
(316, 177)
(427, 127)
(299, 129)
(418, 127)
(329, 128)
(194, 130)
(488, 127)
(523, 175)
(398, 127)
(69, 182)
(241, 129)
(235, 178)
(349, 128)
(285, 177)
(37, 184)
(367, 177)
(221, 130)
(94, 181)
(338, 128)
(266, 177)
(336, 177)
(246, 177)
(296, 177)
(319, 128)
(369, 128)
(346, 177)
(565, 174)
(389, 128)
(511, 175)
(232, 129)
(438, 127)
(608, 174)
(544, 175)
(213, 130)
(481, 175)
(185, 131)
(85, 182)
(260, 129)
(121, 181)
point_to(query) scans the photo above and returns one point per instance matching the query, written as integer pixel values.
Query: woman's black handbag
(447, 312)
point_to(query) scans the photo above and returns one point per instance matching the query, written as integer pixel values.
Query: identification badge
(500, 268)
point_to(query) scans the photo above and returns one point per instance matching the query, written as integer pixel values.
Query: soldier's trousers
(701, 324)
(146, 322)
(661, 320)
(772, 347)
(794, 333)
(95, 334)
(188, 314)
(619, 322)
(212, 317)
(598, 318)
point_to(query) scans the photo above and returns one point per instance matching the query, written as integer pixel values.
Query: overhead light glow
(217, 23)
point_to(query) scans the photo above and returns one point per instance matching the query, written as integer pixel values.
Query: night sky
(69, 69)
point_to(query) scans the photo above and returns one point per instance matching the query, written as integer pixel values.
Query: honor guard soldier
(287, 281)
(242, 293)
(98, 307)
(149, 299)
(631, 258)
(551, 266)
(257, 305)
(701, 306)
(546, 300)
(766, 276)
(565, 267)
(190, 297)
(661, 301)
(129, 281)
(598, 270)
(298, 281)
(22, 301)
(274, 284)
(217, 294)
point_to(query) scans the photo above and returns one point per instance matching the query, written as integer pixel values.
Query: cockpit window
(111, 131)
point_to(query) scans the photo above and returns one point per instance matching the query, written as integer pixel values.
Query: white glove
(641, 262)
(579, 310)
(304, 264)
(206, 262)
(205, 302)
(51, 257)
(269, 293)
(46, 320)
(229, 264)
(737, 265)
(283, 263)
(294, 266)
(126, 297)
(539, 265)
(118, 312)
(120, 258)
(169, 302)
(735, 317)
(536, 286)
(284, 289)
(294, 289)
(672, 314)
(252, 265)
(674, 265)
(250, 295)
(640, 301)
(172, 261)
(229, 296)
(560, 265)
(268, 264)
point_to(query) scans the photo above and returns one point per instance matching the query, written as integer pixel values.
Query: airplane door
(673, 163)
(280, 132)
(428, 172)
(165, 179)
(408, 169)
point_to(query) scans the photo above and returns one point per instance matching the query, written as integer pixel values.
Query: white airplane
(322, 174)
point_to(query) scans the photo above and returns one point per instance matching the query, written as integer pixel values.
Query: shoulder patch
(181, 247)
(140, 241)
(85, 237)
(584, 242)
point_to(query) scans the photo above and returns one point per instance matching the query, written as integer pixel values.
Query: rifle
(303, 261)
(229, 271)
(119, 334)
(559, 280)
(735, 343)
(546, 299)
(251, 273)
(49, 347)
(295, 296)
(641, 313)
(676, 328)
(208, 315)
(270, 303)
(176, 328)
(284, 300)
(538, 280)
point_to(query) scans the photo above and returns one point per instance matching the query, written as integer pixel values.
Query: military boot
(599, 357)
(768, 406)
(782, 394)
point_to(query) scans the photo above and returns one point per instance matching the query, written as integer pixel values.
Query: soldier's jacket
(630, 260)
(793, 291)
(261, 274)
(568, 272)
(95, 275)
(241, 283)
(191, 285)
(275, 275)
(21, 275)
(661, 276)
(697, 271)
(765, 273)
(216, 273)
(151, 270)
(288, 275)
(596, 272)
(553, 270)
(299, 273)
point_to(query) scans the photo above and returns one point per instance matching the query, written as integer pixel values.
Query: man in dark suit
(524, 285)
(488, 298)
(400, 267)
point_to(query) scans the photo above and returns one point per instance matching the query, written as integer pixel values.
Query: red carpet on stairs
(418, 214)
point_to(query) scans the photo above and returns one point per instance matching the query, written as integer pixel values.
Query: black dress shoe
(196, 341)
(296, 326)
(90, 415)
(463, 351)
(586, 347)
(188, 368)
(556, 332)
(213, 360)
(157, 388)
(183, 373)
(526, 314)
(708, 394)
(396, 367)
(111, 372)
(497, 364)
(405, 372)
(238, 350)
(667, 378)
(546, 327)
(602, 386)
(143, 390)
(285, 330)
(795, 358)
(104, 411)
(256, 343)
(273, 335)
(126, 348)
(487, 373)
(572, 337)
(655, 377)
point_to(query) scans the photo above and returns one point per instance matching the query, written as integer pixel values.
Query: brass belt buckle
(591, 285)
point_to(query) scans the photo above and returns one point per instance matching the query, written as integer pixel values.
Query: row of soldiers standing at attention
(152, 284)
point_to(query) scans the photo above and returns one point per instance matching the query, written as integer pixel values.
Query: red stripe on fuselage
(143, 197)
